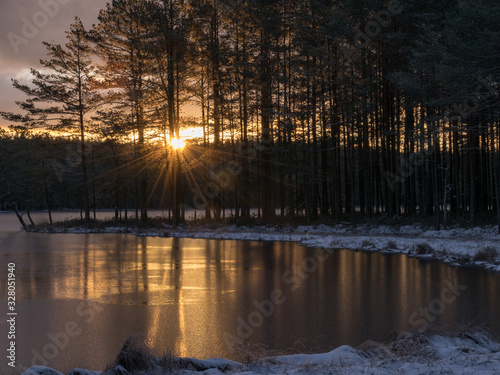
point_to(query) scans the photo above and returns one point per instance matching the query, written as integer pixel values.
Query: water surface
(81, 296)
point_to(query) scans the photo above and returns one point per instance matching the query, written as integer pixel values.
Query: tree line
(316, 108)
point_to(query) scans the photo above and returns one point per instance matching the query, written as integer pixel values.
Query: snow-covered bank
(458, 246)
(408, 354)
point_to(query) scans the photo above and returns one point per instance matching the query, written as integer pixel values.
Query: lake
(79, 297)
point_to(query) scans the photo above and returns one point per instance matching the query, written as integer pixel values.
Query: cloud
(24, 25)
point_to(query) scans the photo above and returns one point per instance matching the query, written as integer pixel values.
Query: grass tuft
(134, 356)
(488, 254)
(424, 248)
(392, 245)
(409, 345)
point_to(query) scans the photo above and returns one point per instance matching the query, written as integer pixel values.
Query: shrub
(424, 248)
(411, 345)
(391, 245)
(367, 244)
(134, 355)
(487, 254)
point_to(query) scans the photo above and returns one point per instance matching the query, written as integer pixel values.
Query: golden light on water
(177, 144)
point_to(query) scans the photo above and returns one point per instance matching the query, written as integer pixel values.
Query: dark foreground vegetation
(319, 109)
(137, 358)
(410, 352)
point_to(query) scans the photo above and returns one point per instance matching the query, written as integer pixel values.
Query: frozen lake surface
(80, 296)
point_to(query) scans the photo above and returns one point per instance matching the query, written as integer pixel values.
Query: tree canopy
(320, 109)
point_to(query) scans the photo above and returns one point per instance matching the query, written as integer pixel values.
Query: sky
(24, 25)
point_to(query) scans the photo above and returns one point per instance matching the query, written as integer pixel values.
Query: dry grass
(136, 358)
(488, 254)
(409, 345)
(424, 248)
(392, 245)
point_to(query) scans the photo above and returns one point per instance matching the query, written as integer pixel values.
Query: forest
(314, 109)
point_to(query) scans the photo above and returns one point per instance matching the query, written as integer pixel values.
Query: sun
(177, 144)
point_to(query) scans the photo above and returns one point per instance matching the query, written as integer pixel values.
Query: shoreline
(476, 247)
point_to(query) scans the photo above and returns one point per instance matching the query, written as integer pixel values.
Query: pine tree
(63, 98)
(121, 38)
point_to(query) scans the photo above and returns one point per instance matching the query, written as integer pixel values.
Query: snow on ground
(408, 354)
(457, 246)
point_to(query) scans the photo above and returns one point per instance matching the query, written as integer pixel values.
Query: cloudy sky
(24, 25)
